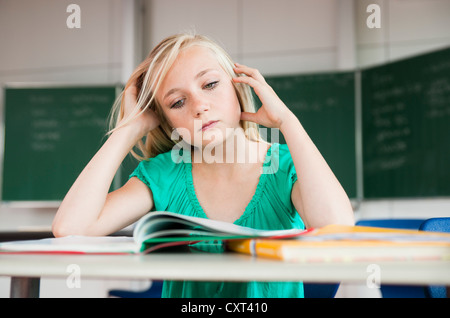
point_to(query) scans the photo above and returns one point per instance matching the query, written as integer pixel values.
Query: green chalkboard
(51, 133)
(406, 127)
(325, 105)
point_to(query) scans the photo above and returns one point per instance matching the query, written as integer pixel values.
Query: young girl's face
(198, 98)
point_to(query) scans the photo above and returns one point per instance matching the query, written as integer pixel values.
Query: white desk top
(221, 267)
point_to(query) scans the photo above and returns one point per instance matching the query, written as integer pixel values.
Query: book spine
(240, 246)
(257, 248)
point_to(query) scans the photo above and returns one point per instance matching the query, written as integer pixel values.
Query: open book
(154, 231)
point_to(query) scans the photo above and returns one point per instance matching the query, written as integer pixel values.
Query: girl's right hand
(143, 123)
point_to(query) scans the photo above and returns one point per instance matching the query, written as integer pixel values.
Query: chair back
(312, 290)
(436, 225)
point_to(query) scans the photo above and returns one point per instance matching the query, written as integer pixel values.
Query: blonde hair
(148, 77)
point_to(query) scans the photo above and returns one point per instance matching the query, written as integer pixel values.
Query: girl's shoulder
(162, 167)
(163, 159)
(175, 157)
(282, 149)
(279, 155)
(279, 165)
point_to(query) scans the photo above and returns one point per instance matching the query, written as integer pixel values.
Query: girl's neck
(237, 151)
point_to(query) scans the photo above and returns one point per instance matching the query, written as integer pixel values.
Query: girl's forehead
(196, 56)
(189, 64)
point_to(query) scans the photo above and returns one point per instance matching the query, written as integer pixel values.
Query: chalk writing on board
(51, 125)
(51, 133)
(406, 127)
(438, 98)
(389, 116)
(36, 99)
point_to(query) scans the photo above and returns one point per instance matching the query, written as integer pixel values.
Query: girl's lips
(209, 125)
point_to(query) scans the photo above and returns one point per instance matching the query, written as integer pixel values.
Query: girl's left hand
(273, 111)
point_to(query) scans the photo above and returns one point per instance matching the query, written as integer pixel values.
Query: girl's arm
(88, 208)
(318, 196)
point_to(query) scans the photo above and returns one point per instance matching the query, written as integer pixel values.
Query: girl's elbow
(345, 217)
(341, 216)
(61, 229)
(347, 221)
(58, 230)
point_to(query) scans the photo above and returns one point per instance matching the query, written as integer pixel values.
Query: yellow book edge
(347, 248)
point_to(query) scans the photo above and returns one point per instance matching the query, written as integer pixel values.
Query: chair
(406, 224)
(397, 291)
(320, 290)
(436, 225)
(154, 291)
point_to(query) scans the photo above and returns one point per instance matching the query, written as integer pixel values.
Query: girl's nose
(199, 107)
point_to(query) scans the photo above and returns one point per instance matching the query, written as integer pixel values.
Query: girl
(189, 87)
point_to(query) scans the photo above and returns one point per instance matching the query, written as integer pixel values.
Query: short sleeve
(162, 175)
(280, 165)
(291, 168)
(288, 168)
(141, 173)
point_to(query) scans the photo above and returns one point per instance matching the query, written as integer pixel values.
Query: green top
(170, 180)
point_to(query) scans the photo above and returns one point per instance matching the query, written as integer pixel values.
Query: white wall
(408, 27)
(37, 45)
(276, 36)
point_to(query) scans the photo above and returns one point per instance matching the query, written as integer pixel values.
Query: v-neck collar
(251, 205)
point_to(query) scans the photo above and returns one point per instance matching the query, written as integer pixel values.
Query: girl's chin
(215, 137)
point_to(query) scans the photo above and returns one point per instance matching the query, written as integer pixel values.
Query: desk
(26, 270)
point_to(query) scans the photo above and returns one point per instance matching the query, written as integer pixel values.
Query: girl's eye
(211, 85)
(178, 104)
